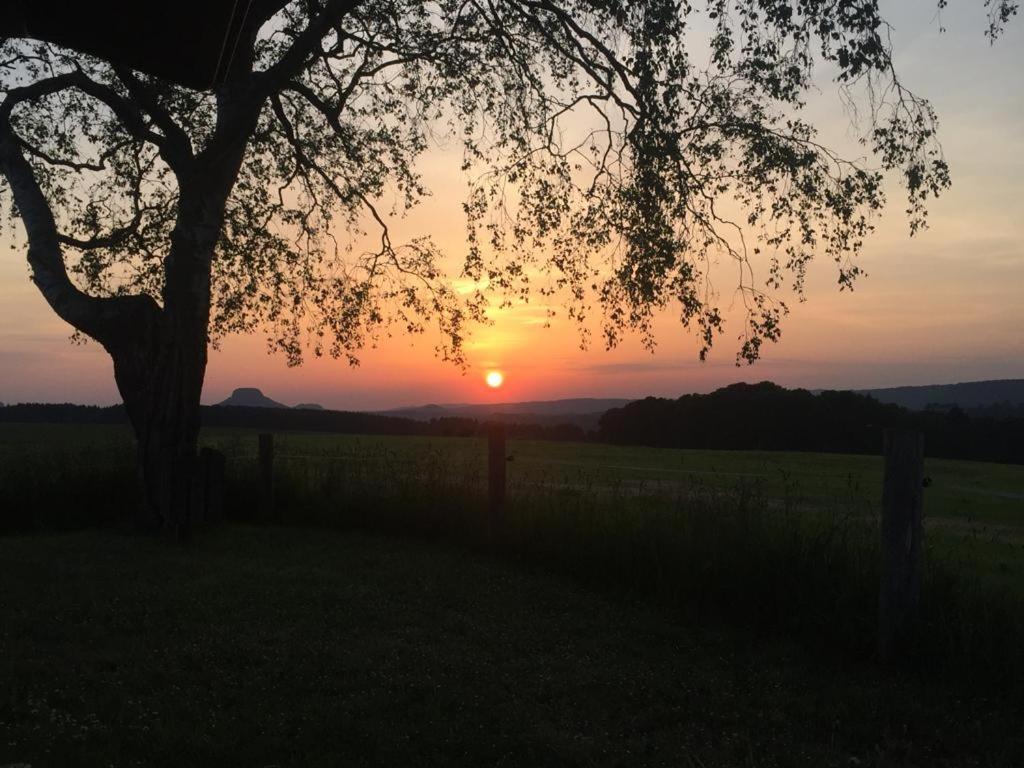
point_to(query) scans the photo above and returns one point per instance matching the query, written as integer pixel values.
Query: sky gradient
(940, 307)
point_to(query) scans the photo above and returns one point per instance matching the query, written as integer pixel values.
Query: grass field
(973, 510)
(964, 491)
(710, 608)
(268, 646)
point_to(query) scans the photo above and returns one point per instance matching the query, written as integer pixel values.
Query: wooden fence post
(902, 506)
(495, 471)
(266, 479)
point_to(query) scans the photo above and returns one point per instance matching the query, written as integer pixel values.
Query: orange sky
(943, 306)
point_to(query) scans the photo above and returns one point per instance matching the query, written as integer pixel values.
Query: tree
(156, 214)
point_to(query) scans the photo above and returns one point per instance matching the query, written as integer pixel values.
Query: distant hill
(574, 405)
(250, 397)
(584, 412)
(969, 394)
(308, 407)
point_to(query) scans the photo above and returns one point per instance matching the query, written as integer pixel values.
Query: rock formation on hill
(251, 397)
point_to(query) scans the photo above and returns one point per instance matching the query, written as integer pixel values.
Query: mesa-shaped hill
(250, 397)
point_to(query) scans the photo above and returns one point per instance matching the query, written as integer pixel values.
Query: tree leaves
(615, 152)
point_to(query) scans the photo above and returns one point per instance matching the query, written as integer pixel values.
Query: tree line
(299, 420)
(766, 416)
(761, 416)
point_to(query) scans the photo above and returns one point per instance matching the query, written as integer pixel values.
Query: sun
(494, 379)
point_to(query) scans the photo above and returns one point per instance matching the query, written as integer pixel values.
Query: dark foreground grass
(741, 557)
(261, 646)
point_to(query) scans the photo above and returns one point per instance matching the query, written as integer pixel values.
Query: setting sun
(495, 379)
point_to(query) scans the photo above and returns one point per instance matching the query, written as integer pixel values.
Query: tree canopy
(149, 37)
(691, 149)
(614, 152)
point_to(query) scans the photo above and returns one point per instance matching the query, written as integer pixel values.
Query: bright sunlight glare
(494, 379)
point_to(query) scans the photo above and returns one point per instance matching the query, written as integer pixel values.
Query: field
(631, 606)
(972, 509)
(262, 646)
(960, 492)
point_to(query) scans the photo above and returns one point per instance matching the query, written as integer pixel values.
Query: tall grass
(55, 486)
(767, 565)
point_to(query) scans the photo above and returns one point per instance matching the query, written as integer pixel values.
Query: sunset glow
(942, 306)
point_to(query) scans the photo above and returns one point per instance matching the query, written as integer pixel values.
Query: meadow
(960, 492)
(630, 605)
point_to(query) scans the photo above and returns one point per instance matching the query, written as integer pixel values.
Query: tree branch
(125, 111)
(302, 158)
(100, 318)
(303, 46)
(113, 238)
(177, 140)
(58, 161)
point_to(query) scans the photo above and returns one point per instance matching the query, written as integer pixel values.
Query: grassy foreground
(960, 491)
(261, 646)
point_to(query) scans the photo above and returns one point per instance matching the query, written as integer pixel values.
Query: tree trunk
(160, 371)
(159, 352)
(160, 356)
(161, 380)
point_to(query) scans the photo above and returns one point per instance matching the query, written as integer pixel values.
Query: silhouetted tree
(766, 416)
(156, 214)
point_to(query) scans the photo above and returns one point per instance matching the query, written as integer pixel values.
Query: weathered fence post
(495, 471)
(211, 468)
(902, 506)
(266, 479)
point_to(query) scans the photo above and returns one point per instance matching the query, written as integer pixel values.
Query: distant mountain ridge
(581, 411)
(568, 406)
(968, 394)
(584, 412)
